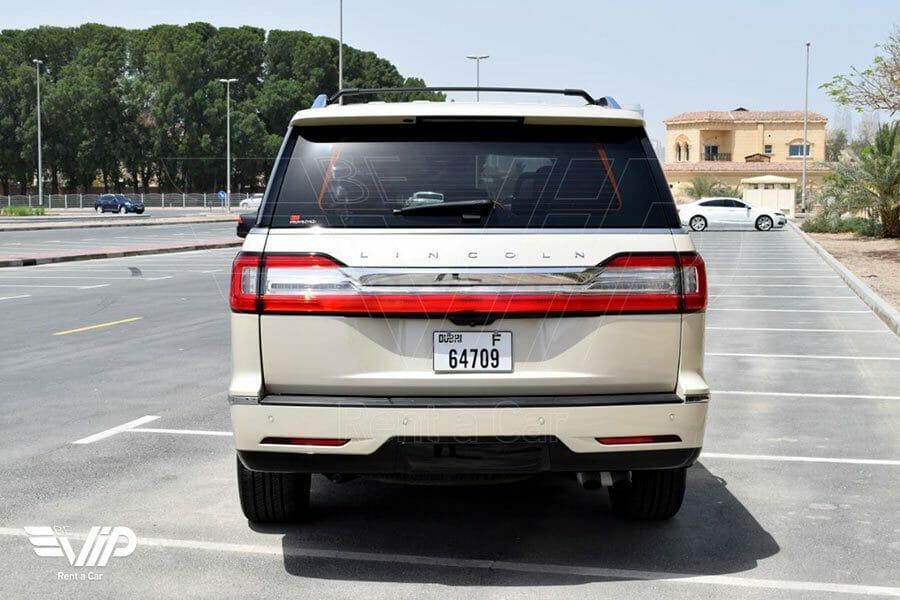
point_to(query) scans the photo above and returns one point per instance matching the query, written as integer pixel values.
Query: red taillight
(329, 442)
(244, 282)
(638, 439)
(693, 282)
(317, 284)
(240, 219)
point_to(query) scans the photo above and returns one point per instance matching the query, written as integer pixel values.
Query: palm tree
(873, 174)
(704, 187)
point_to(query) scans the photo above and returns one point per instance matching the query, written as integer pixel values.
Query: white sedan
(728, 212)
(252, 202)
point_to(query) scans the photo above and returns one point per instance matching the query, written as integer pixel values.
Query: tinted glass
(535, 176)
(715, 203)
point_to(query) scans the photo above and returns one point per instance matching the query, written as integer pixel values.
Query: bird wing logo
(100, 544)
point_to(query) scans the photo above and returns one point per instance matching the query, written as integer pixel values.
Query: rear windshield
(528, 176)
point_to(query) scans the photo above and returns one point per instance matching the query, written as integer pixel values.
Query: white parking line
(814, 356)
(158, 278)
(114, 430)
(275, 548)
(15, 297)
(789, 310)
(777, 296)
(776, 285)
(797, 276)
(811, 459)
(181, 431)
(801, 329)
(801, 395)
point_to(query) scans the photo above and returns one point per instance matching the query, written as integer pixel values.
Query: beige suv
(467, 292)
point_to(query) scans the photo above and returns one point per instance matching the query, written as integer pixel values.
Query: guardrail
(162, 200)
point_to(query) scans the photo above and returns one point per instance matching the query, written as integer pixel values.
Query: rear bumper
(494, 435)
(483, 457)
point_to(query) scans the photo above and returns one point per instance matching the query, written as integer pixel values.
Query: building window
(710, 152)
(795, 150)
(687, 153)
(767, 149)
(678, 152)
(768, 186)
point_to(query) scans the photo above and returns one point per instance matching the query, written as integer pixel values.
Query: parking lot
(114, 376)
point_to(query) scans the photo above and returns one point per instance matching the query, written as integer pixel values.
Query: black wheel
(652, 495)
(99, 209)
(122, 210)
(697, 223)
(764, 223)
(273, 497)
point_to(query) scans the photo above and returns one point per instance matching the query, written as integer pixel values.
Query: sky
(669, 57)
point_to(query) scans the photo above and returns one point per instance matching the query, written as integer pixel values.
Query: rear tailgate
(382, 355)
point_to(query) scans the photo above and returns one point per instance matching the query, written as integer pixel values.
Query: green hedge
(857, 225)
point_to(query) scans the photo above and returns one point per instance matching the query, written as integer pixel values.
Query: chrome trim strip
(242, 399)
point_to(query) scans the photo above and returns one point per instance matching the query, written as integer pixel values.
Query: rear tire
(697, 223)
(122, 210)
(764, 223)
(99, 209)
(653, 495)
(273, 497)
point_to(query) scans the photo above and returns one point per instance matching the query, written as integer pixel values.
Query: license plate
(473, 352)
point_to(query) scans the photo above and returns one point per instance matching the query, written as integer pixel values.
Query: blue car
(118, 203)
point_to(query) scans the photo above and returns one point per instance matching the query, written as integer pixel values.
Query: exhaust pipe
(589, 481)
(595, 480)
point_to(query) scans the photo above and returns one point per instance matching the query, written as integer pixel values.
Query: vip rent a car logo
(100, 544)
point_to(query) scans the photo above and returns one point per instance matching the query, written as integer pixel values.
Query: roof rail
(604, 101)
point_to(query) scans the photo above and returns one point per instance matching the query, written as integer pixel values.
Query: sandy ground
(876, 262)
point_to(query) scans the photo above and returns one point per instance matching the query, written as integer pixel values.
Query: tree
(705, 187)
(870, 179)
(837, 142)
(876, 87)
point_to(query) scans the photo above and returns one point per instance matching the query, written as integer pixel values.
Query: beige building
(730, 146)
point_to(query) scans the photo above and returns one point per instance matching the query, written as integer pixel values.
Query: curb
(43, 260)
(65, 225)
(880, 306)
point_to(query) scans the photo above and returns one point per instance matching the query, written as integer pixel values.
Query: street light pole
(40, 168)
(228, 83)
(340, 48)
(477, 58)
(803, 198)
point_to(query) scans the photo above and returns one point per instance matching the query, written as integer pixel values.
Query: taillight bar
(289, 441)
(318, 284)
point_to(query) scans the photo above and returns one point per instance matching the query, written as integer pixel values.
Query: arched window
(687, 153)
(677, 152)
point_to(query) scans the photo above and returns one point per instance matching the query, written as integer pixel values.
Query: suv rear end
(451, 291)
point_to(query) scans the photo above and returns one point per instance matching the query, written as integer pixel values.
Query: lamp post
(228, 83)
(340, 48)
(40, 168)
(803, 197)
(477, 58)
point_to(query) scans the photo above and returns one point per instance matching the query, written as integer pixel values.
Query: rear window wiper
(481, 206)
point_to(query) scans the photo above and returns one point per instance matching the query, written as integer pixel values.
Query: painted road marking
(275, 548)
(812, 459)
(790, 310)
(181, 431)
(800, 329)
(777, 285)
(802, 395)
(98, 326)
(815, 356)
(158, 278)
(778, 296)
(15, 297)
(114, 430)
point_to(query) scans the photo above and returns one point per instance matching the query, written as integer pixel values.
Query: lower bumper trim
(484, 456)
(472, 401)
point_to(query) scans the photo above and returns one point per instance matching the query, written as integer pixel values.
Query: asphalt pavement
(114, 374)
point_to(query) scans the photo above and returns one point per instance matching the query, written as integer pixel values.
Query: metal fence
(162, 200)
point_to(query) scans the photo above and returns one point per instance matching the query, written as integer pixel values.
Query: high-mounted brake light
(317, 284)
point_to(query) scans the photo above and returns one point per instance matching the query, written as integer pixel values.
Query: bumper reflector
(638, 439)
